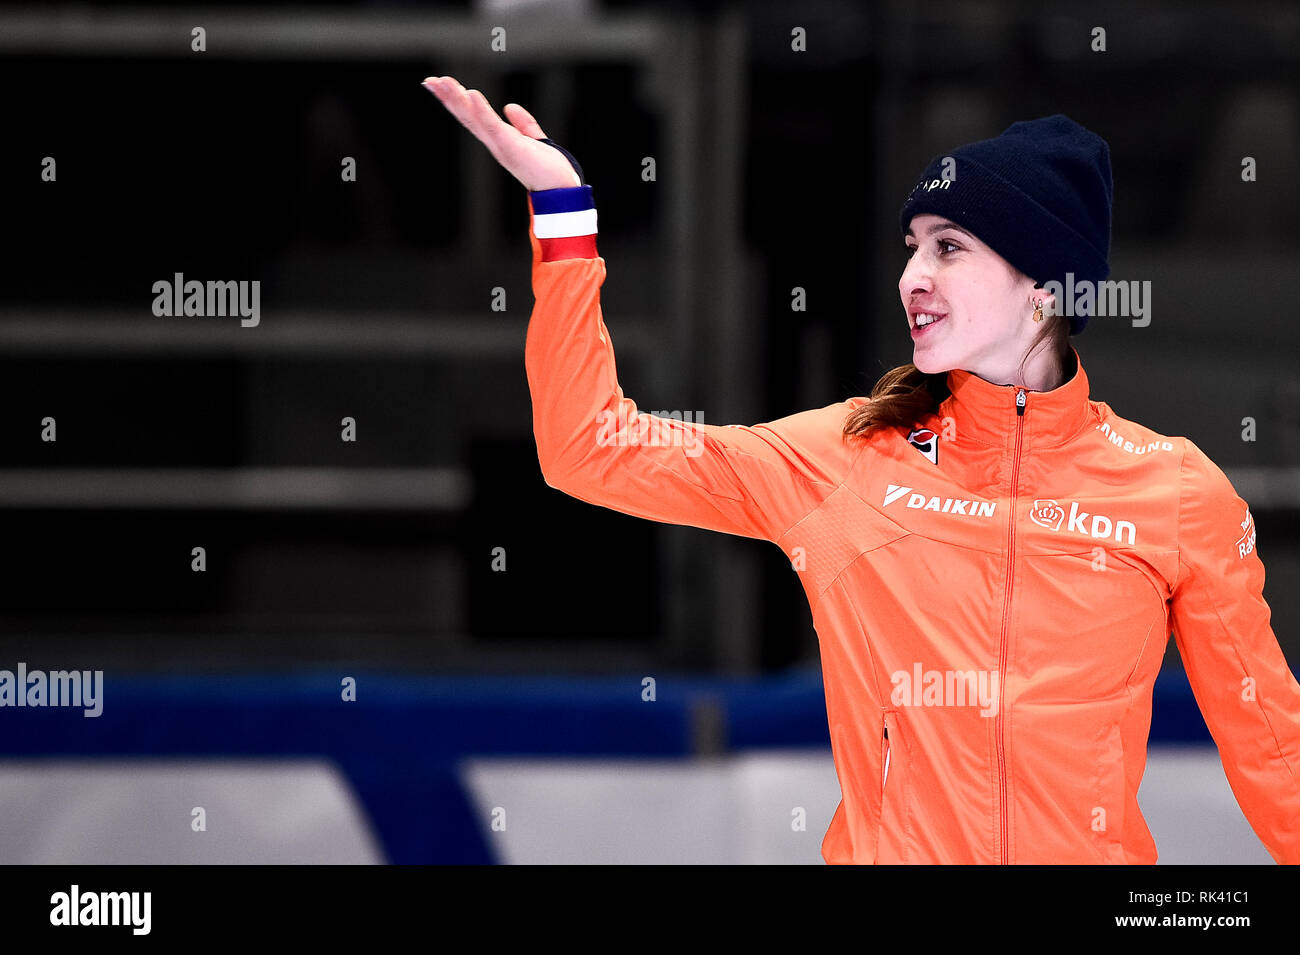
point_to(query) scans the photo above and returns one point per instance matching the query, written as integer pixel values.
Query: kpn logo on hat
(1039, 195)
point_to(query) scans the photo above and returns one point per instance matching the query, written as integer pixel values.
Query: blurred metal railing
(709, 587)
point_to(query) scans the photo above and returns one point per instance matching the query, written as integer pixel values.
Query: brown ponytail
(904, 395)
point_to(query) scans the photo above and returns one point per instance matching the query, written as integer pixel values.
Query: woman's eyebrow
(939, 227)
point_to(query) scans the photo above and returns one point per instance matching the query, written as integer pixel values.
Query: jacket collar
(986, 412)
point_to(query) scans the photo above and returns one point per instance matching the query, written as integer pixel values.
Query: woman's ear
(1047, 298)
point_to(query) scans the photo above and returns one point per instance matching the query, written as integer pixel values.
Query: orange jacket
(992, 600)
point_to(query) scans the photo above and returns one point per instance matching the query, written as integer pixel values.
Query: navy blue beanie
(1039, 195)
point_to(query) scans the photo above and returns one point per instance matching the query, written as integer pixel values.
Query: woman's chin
(926, 364)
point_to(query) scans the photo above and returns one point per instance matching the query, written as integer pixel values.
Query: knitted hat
(1039, 195)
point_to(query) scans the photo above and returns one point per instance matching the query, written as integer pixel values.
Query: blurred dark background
(776, 169)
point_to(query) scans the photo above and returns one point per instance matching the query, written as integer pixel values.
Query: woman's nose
(915, 277)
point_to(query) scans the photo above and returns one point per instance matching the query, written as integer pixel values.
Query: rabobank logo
(944, 505)
(1246, 543)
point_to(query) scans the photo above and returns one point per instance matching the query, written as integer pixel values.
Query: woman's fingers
(461, 103)
(455, 97)
(472, 109)
(523, 121)
(448, 92)
(513, 144)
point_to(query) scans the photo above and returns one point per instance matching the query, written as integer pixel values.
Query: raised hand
(515, 145)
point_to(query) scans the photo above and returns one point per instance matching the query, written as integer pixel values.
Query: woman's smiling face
(982, 301)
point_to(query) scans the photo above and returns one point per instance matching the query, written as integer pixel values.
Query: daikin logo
(894, 492)
(944, 505)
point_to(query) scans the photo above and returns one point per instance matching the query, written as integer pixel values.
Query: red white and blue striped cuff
(564, 222)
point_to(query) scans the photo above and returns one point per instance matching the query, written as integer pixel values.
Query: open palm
(515, 145)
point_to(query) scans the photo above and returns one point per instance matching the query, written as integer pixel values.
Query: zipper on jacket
(1006, 617)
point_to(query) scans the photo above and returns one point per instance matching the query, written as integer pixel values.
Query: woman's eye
(941, 243)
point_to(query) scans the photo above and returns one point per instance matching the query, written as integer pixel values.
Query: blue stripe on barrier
(400, 743)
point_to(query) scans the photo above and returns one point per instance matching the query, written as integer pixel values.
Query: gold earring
(1038, 310)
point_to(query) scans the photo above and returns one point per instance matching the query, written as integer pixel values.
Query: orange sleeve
(1243, 686)
(594, 444)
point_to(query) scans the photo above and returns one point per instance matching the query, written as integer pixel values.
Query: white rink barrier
(760, 807)
(742, 809)
(141, 811)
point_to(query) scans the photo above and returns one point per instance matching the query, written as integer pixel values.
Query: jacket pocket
(894, 791)
(1107, 816)
(884, 758)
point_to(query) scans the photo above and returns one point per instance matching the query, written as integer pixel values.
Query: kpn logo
(1051, 514)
